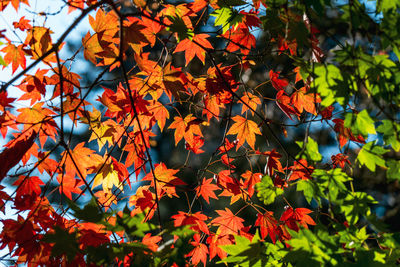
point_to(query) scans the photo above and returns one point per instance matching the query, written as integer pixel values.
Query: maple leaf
(14, 152)
(273, 163)
(34, 86)
(27, 192)
(69, 185)
(250, 180)
(232, 187)
(197, 143)
(39, 40)
(3, 196)
(133, 33)
(227, 145)
(196, 220)
(151, 241)
(251, 100)
(301, 170)
(245, 129)
(283, 102)
(345, 133)
(206, 190)
(340, 159)
(215, 241)
(227, 161)
(14, 55)
(89, 237)
(292, 217)
(5, 101)
(22, 24)
(160, 113)
(241, 39)
(166, 181)
(200, 251)
(186, 128)
(84, 159)
(108, 177)
(212, 106)
(14, 3)
(277, 83)
(227, 222)
(302, 101)
(194, 47)
(106, 199)
(267, 224)
(7, 120)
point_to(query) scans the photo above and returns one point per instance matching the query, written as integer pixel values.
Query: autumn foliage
(179, 75)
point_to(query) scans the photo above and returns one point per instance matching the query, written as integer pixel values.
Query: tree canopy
(205, 132)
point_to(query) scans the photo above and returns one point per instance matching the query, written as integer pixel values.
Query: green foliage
(267, 192)
(226, 18)
(360, 123)
(370, 155)
(311, 150)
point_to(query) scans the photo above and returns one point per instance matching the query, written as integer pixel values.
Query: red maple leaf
(277, 83)
(200, 251)
(14, 152)
(196, 220)
(206, 190)
(227, 222)
(250, 180)
(241, 39)
(268, 225)
(273, 163)
(293, 217)
(301, 170)
(283, 102)
(340, 159)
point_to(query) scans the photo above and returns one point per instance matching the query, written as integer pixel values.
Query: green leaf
(391, 134)
(63, 243)
(332, 84)
(179, 26)
(2, 62)
(332, 181)
(360, 123)
(355, 205)
(226, 17)
(311, 150)
(267, 191)
(254, 253)
(393, 172)
(371, 155)
(133, 226)
(89, 213)
(310, 190)
(309, 249)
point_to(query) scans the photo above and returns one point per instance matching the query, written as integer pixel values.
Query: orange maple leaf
(192, 48)
(303, 101)
(14, 55)
(166, 181)
(245, 129)
(228, 222)
(186, 128)
(206, 190)
(251, 100)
